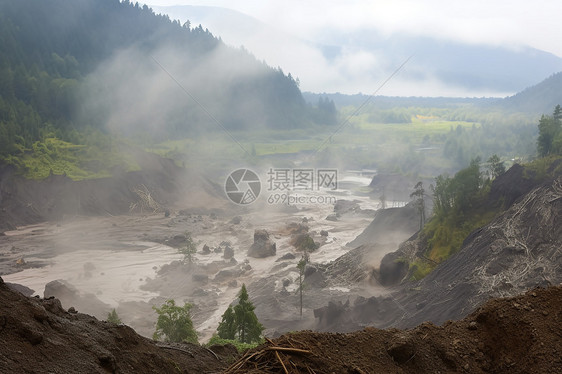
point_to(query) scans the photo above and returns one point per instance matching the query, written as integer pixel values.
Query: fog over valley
(280, 187)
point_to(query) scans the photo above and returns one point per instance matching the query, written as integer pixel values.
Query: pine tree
(227, 327)
(496, 166)
(189, 249)
(112, 317)
(557, 114)
(301, 266)
(249, 328)
(241, 323)
(550, 133)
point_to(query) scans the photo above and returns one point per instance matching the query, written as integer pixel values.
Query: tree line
(49, 49)
(549, 141)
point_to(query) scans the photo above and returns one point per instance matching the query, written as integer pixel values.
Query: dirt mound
(39, 336)
(514, 335)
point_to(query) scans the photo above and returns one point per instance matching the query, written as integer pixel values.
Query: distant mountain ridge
(492, 70)
(540, 98)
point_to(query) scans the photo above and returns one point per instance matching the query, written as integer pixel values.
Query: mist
(157, 160)
(355, 48)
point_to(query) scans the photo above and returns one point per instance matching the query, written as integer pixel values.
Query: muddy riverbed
(125, 263)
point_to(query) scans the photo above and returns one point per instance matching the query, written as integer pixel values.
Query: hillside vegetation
(77, 77)
(470, 200)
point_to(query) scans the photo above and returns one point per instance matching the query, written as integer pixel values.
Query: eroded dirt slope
(516, 251)
(38, 336)
(521, 334)
(24, 201)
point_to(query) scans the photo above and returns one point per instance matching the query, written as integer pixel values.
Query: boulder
(332, 217)
(21, 289)
(263, 246)
(228, 253)
(286, 256)
(71, 297)
(206, 250)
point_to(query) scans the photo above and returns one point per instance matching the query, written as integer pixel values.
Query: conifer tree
(241, 323)
(227, 327)
(113, 317)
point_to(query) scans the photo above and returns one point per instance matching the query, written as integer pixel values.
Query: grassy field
(358, 143)
(78, 162)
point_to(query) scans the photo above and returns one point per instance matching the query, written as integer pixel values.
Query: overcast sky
(511, 23)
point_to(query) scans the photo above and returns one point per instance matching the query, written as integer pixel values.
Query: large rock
(263, 246)
(228, 253)
(69, 296)
(21, 289)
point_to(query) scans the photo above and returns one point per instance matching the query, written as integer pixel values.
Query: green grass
(540, 169)
(446, 237)
(78, 162)
(416, 130)
(241, 347)
(360, 143)
(358, 134)
(420, 268)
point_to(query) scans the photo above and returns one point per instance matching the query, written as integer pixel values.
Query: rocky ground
(518, 250)
(521, 334)
(131, 261)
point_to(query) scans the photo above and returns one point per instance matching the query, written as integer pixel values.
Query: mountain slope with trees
(536, 99)
(68, 69)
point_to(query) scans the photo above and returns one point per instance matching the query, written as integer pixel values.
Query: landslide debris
(521, 334)
(39, 336)
(157, 186)
(516, 251)
(390, 226)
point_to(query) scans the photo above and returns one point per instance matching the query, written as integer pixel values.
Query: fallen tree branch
(281, 361)
(289, 350)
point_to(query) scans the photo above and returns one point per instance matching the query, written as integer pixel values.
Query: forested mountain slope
(68, 68)
(540, 98)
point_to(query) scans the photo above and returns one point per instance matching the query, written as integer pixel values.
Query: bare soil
(521, 334)
(38, 336)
